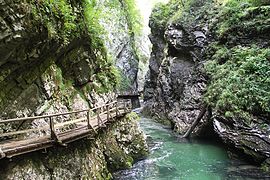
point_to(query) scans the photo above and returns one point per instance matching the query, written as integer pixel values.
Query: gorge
(209, 68)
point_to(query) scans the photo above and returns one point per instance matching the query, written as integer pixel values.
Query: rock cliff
(64, 55)
(216, 54)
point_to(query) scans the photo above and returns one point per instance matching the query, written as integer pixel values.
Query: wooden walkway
(52, 133)
(128, 94)
(131, 95)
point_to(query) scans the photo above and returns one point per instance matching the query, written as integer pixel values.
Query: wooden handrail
(91, 121)
(51, 115)
(51, 126)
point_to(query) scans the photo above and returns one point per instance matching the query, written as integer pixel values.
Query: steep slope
(214, 54)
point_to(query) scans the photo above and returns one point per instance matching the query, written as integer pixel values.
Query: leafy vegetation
(239, 75)
(162, 13)
(243, 17)
(92, 16)
(50, 13)
(182, 12)
(109, 77)
(125, 82)
(241, 85)
(133, 17)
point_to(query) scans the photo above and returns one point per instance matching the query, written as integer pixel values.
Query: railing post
(53, 135)
(125, 105)
(129, 105)
(116, 104)
(108, 112)
(98, 117)
(88, 119)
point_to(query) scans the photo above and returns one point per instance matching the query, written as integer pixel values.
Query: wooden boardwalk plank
(15, 147)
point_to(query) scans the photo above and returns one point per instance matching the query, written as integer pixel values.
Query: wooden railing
(91, 119)
(128, 93)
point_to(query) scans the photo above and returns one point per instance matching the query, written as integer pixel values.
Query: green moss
(132, 116)
(133, 16)
(57, 16)
(266, 165)
(125, 82)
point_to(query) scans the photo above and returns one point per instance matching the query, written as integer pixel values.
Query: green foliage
(124, 83)
(240, 17)
(162, 13)
(107, 79)
(107, 76)
(133, 16)
(92, 16)
(64, 22)
(132, 116)
(182, 12)
(240, 81)
(57, 16)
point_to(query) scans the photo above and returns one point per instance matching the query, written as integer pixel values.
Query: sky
(145, 8)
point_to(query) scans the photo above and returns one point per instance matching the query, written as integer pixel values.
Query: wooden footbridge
(131, 95)
(52, 133)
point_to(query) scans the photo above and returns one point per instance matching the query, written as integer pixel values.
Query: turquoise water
(171, 158)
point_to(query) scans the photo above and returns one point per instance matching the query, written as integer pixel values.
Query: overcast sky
(145, 7)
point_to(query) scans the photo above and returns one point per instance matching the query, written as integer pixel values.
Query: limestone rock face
(60, 56)
(177, 80)
(50, 59)
(251, 140)
(116, 148)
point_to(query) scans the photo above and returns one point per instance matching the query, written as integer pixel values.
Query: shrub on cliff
(241, 85)
(239, 67)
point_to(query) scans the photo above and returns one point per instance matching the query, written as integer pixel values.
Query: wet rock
(177, 81)
(250, 139)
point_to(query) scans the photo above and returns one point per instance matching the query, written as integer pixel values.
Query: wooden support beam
(98, 117)
(89, 125)
(116, 105)
(53, 133)
(108, 112)
(125, 107)
(195, 122)
(2, 154)
(88, 119)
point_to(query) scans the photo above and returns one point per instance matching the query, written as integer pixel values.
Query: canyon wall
(213, 54)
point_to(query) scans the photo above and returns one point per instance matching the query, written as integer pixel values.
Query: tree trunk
(196, 122)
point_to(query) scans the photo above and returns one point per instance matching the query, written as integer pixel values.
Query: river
(172, 158)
